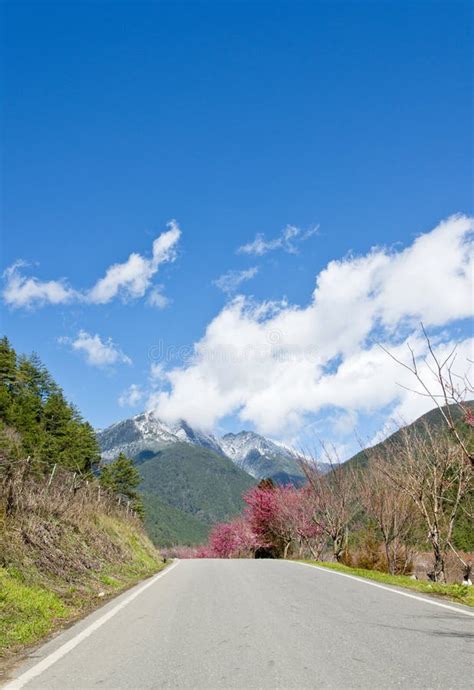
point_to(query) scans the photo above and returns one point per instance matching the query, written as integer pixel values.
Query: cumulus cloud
(275, 364)
(128, 280)
(230, 281)
(98, 353)
(132, 278)
(288, 241)
(22, 291)
(132, 396)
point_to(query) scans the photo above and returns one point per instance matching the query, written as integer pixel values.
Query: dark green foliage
(168, 526)
(8, 367)
(37, 421)
(122, 478)
(463, 533)
(196, 483)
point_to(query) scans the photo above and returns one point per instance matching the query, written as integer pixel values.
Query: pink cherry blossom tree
(233, 539)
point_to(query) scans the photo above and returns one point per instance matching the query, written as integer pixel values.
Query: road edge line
(388, 589)
(37, 669)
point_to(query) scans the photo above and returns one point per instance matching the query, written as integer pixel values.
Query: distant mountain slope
(142, 436)
(261, 457)
(167, 525)
(432, 419)
(463, 534)
(200, 486)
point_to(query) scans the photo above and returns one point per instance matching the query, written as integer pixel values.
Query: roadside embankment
(65, 546)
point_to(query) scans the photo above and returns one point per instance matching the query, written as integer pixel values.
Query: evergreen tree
(122, 477)
(7, 377)
(7, 364)
(32, 405)
(33, 375)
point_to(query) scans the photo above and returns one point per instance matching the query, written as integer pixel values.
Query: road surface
(258, 624)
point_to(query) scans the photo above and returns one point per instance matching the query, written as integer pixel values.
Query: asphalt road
(258, 624)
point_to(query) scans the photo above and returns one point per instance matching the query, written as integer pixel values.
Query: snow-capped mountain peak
(257, 455)
(145, 435)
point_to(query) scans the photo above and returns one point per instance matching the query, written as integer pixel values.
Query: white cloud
(157, 372)
(344, 423)
(229, 282)
(129, 280)
(288, 240)
(98, 353)
(274, 364)
(157, 299)
(132, 278)
(131, 397)
(21, 291)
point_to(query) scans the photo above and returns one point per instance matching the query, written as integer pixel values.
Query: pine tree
(122, 477)
(32, 404)
(7, 364)
(7, 378)
(37, 421)
(33, 375)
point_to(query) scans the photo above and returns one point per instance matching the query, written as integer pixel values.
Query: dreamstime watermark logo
(274, 337)
(273, 348)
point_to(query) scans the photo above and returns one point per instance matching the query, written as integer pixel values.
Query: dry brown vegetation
(65, 544)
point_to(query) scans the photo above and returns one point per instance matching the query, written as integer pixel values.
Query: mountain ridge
(145, 434)
(433, 419)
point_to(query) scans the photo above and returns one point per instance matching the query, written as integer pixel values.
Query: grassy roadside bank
(66, 572)
(461, 594)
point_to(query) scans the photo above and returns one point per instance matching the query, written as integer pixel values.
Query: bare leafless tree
(449, 391)
(391, 508)
(333, 496)
(430, 467)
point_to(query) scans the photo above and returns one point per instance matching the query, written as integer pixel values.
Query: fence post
(52, 475)
(10, 506)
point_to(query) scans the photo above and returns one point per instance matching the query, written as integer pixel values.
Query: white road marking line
(389, 589)
(68, 646)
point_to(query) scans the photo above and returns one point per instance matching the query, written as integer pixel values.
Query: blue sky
(234, 119)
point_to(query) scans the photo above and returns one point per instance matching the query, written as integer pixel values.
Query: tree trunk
(316, 553)
(338, 547)
(391, 559)
(438, 572)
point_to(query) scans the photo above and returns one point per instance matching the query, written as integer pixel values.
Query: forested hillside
(37, 421)
(187, 489)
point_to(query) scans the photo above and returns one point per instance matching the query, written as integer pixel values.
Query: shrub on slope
(62, 548)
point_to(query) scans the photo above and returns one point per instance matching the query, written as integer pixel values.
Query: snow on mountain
(145, 434)
(257, 455)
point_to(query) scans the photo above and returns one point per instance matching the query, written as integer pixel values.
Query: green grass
(47, 585)
(462, 594)
(28, 612)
